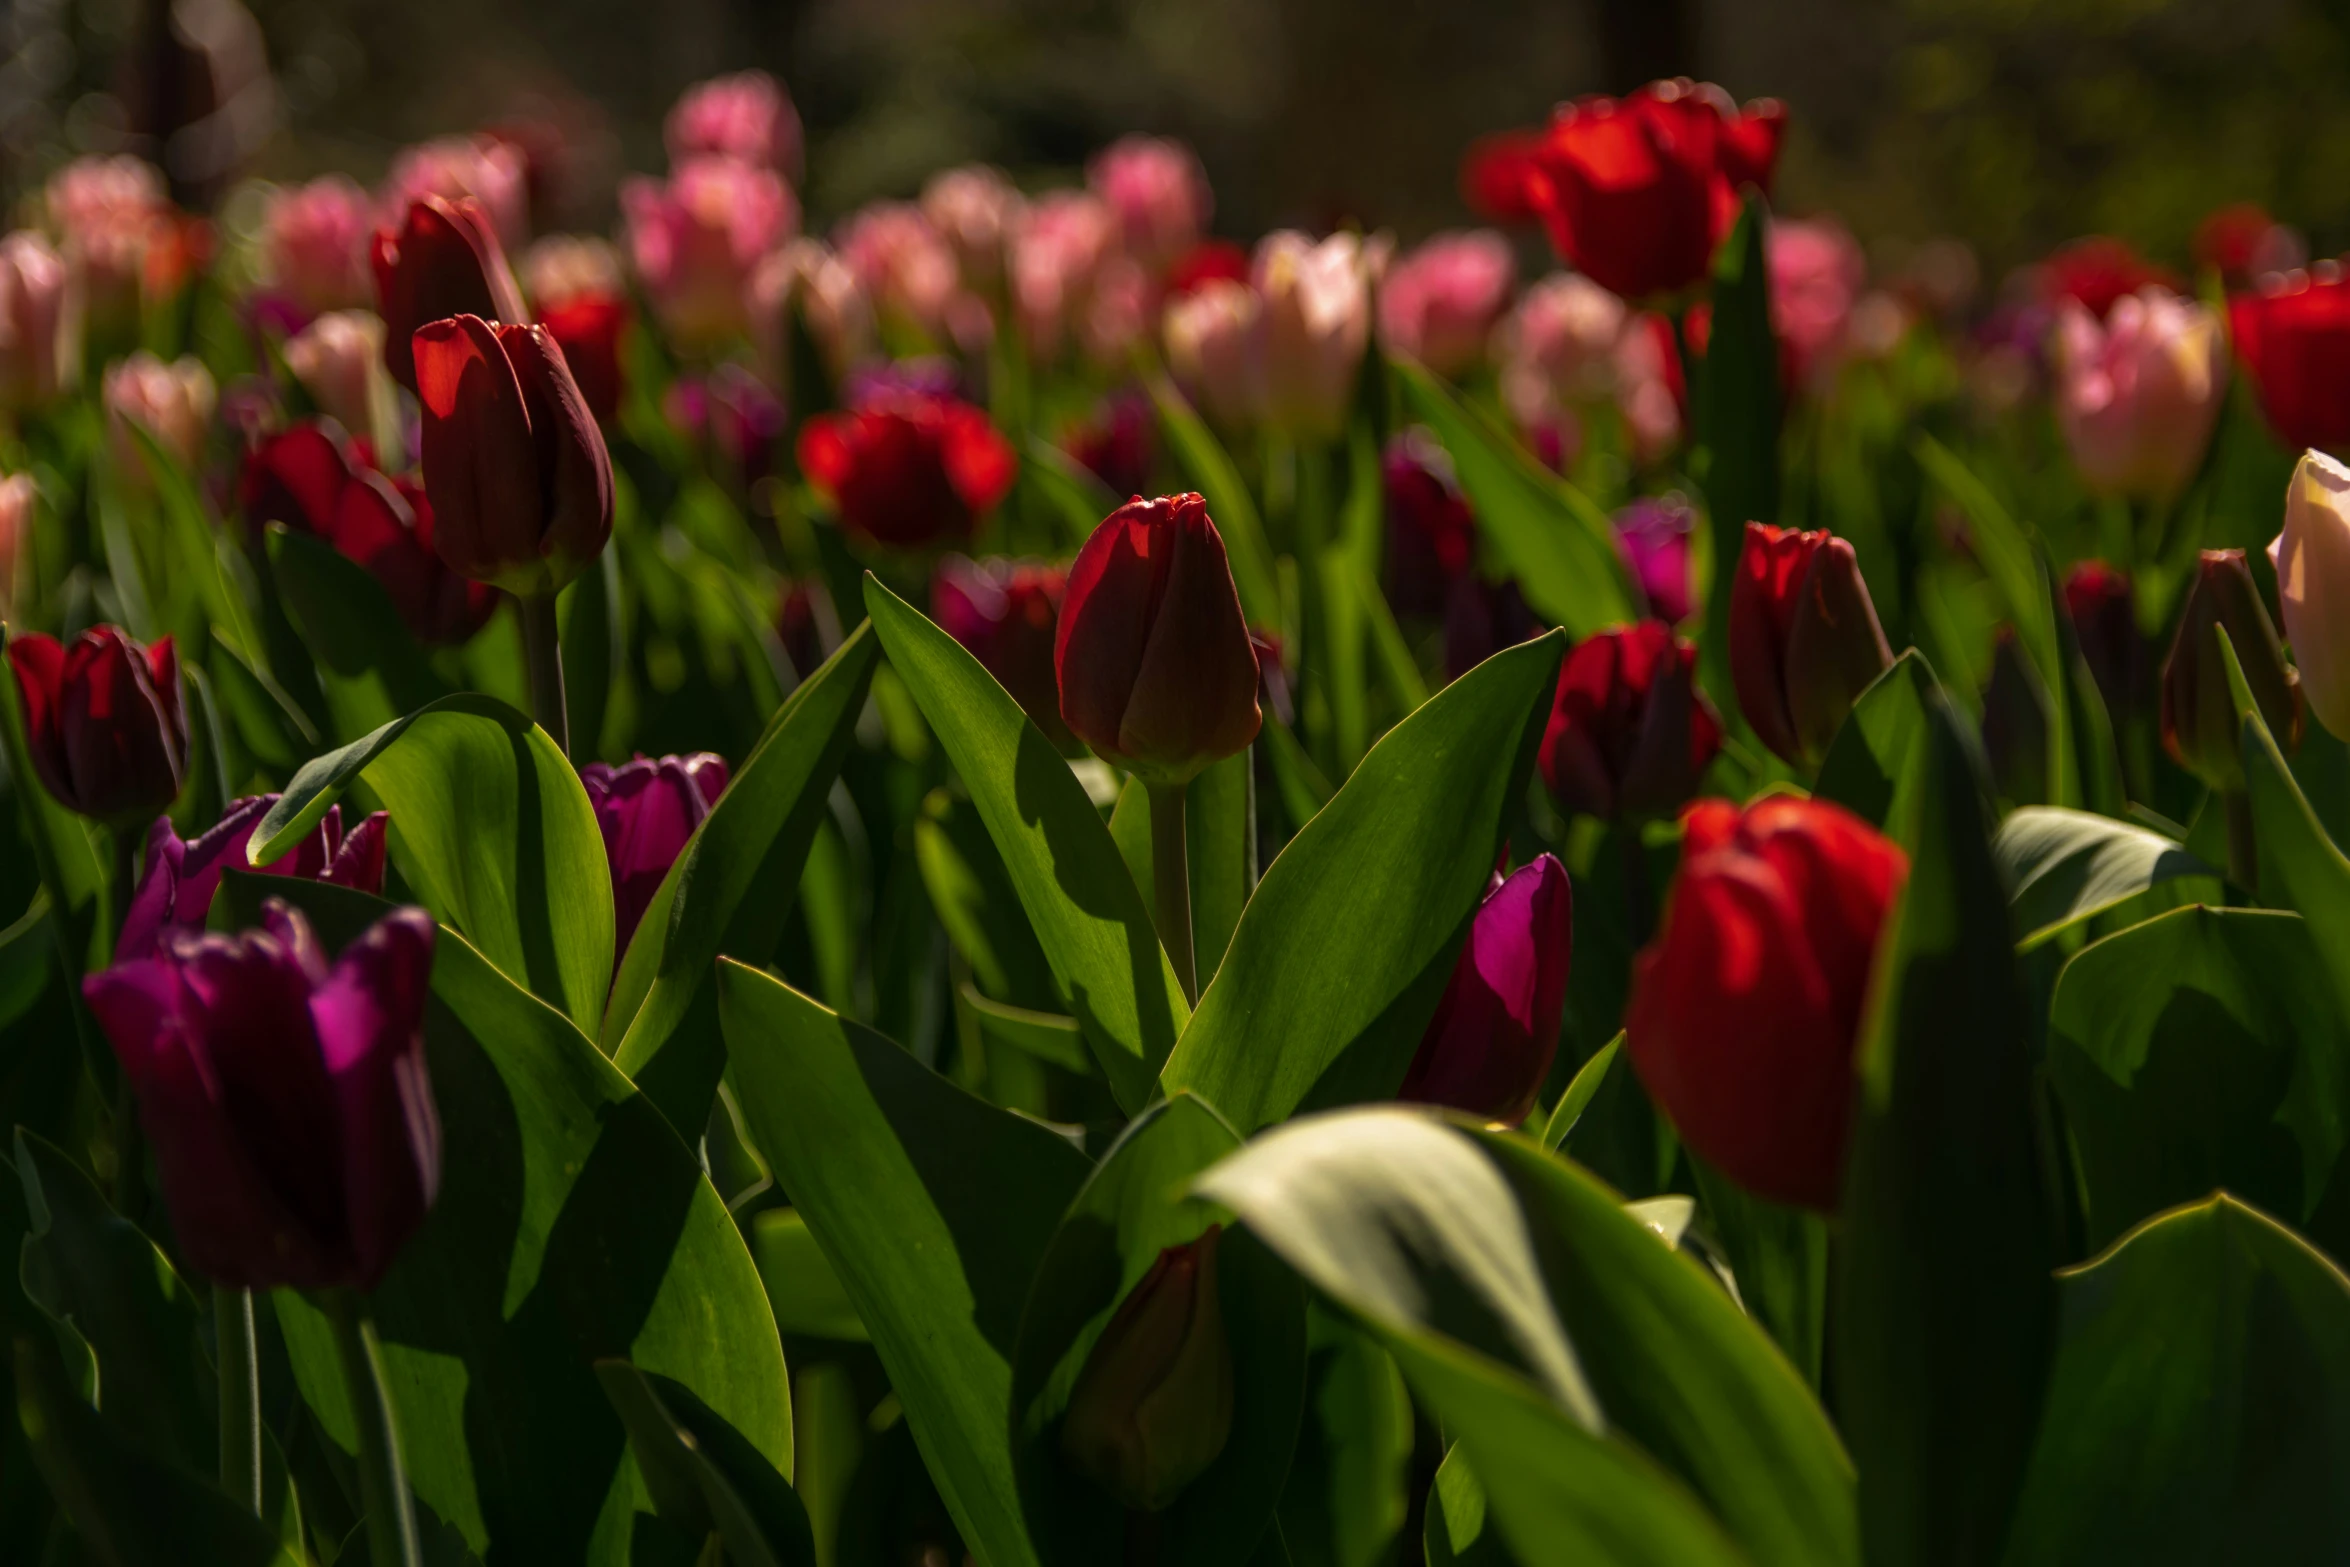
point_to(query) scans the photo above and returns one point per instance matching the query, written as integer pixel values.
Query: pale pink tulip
(904, 266)
(1211, 348)
(173, 402)
(338, 358)
(563, 267)
(493, 172)
(805, 276)
(1440, 302)
(2137, 395)
(2312, 557)
(696, 240)
(1155, 187)
(35, 346)
(314, 241)
(1315, 327)
(107, 213)
(975, 209)
(1560, 342)
(1817, 273)
(1058, 246)
(17, 499)
(747, 116)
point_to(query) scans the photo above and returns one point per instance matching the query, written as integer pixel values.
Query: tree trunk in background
(1642, 40)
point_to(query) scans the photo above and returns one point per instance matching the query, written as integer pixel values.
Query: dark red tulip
(2199, 726)
(1804, 638)
(105, 721)
(315, 483)
(1480, 619)
(1490, 1044)
(285, 1097)
(1004, 612)
(443, 260)
(587, 327)
(2100, 270)
(177, 883)
(1152, 654)
(1431, 533)
(1630, 735)
(2242, 243)
(2293, 338)
(2105, 622)
(1152, 1407)
(909, 471)
(521, 485)
(1497, 176)
(647, 811)
(1746, 1008)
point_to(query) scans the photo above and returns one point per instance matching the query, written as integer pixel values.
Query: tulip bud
(1209, 261)
(2199, 726)
(2292, 335)
(2105, 621)
(1211, 349)
(443, 260)
(696, 240)
(647, 810)
(104, 720)
(1630, 734)
(492, 173)
(520, 483)
(1315, 325)
(1004, 612)
(1155, 187)
(2243, 244)
(1431, 533)
(2137, 396)
(2099, 272)
(1439, 303)
(314, 244)
(908, 470)
(746, 116)
(285, 1098)
(1152, 1408)
(2312, 558)
(1490, 1044)
(172, 402)
(1746, 1008)
(338, 359)
(1152, 653)
(1804, 638)
(33, 321)
(180, 877)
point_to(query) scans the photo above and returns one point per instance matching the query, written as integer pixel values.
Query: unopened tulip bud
(2137, 394)
(105, 722)
(1211, 348)
(2312, 557)
(1490, 1044)
(1152, 1408)
(2105, 620)
(1315, 326)
(2199, 726)
(1804, 638)
(443, 259)
(1152, 652)
(746, 116)
(647, 810)
(1630, 734)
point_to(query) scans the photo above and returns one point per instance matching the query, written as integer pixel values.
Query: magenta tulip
(177, 884)
(647, 810)
(1490, 1044)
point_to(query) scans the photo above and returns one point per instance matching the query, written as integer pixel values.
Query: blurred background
(2014, 123)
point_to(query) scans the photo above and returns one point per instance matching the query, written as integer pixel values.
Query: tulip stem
(542, 658)
(240, 1395)
(383, 1484)
(1171, 884)
(2243, 847)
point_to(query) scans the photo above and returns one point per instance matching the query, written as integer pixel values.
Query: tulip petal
(1496, 1029)
(1835, 647)
(1195, 688)
(575, 471)
(155, 906)
(358, 860)
(370, 1021)
(481, 467)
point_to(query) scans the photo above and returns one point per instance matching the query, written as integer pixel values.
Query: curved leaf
(703, 1476)
(2063, 867)
(1203, 457)
(369, 664)
(1872, 760)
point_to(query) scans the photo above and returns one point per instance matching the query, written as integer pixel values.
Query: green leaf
(1558, 545)
(2202, 1049)
(1078, 498)
(1347, 1500)
(1202, 456)
(1873, 759)
(934, 1208)
(1944, 1303)
(2063, 867)
(1457, 1534)
(1737, 398)
(2199, 1410)
(801, 1286)
(1057, 1040)
(725, 892)
(1340, 957)
(1133, 1207)
(1475, 1247)
(1220, 841)
(571, 1226)
(703, 1476)
(1580, 1092)
(1094, 926)
(490, 827)
(593, 638)
(975, 901)
(368, 662)
(1779, 1256)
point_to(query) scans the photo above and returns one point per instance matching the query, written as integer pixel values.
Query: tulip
(1313, 329)
(1439, 304)
(107, 213)
(2199, 726)
(975, 209)
(34, 345)
(104, 720)
(443, 260)
(696, 240)
(180, 877)
(286, 1099)
(172, 402)
(1817, 272)
(903, 266)
(314, 244)
(19, 497)
(1152, 1407)
(1431, 533)
(1211, 335)
(1159, 193)
(1480, 619)
(1653, 536)
(807, 280)
(2137, 397)
(1804, 638)
(309, 481)
(2312, 560)
(909, 471)
(2243, 244)
(563, 267)
(2105, 623)
(1497, 176)
(1650, 393)
(338, 359)
(647, 810)
(731, 412)
(2293, 338)
(1152, 653)
(1496, 1028)
(1630, 735)
(587, 328)
(2098, 272)
(485, 170)
(746, 116)
(1115, 444)
(1059, 247)
(1558, 347)
(1004, 613)
(520, 483)
(1746, 1009)
(1206, 262)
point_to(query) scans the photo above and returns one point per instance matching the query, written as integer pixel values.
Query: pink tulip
(1439, 303)
(904, 265)
(106, 213)
(1817, 273)
(562, 268)
(1557, 348)
(747, 116)
(975, 209)
(1211, 348)
(173, 402)
(2137, 395)
(338, 358)
(18, 497)
(696, 241)
(314, 241)
(1315, 326)
(1648, 386)
(1058, 248)
(33, 326)
(1159, 193)
(491, 171)
(806, 277)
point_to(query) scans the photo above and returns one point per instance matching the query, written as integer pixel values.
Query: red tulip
(2293, 338)
(2105, 622)
(908, 470)
(1804, 638)
(1005, 613)
(1746, 1008)
(105, 722)
(2199, 724)
(1209, 261)
(180, 877)
(1431, 533)
(2100, 270)
(520, 482)
(444, 260)
(587, 328)
(1490, 1044)
(1630, 734)
(1152, 653)
(1497, 176)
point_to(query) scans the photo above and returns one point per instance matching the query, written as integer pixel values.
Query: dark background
(2014, 123)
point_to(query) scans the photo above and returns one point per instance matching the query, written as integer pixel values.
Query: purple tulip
(1490, 1044)
(176, 887)
(1653, 535)
(286, 1098)
(647, 810)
